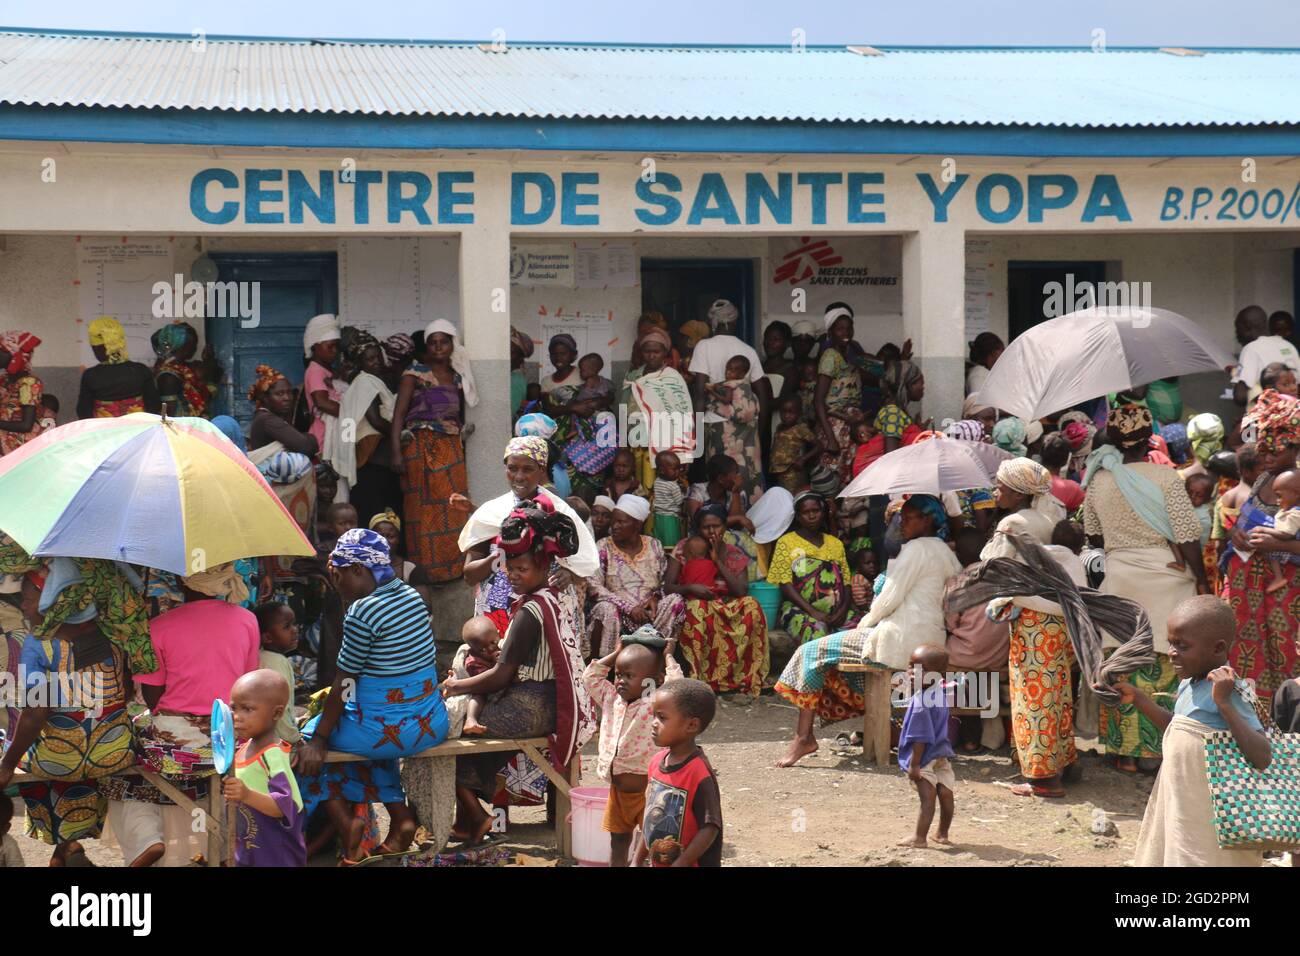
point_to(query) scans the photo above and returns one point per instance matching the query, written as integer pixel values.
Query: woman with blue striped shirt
(384, 703)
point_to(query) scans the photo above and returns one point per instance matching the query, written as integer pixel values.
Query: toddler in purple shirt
(924, 747)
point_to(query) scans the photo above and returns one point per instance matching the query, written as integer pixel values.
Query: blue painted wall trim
(353, 131)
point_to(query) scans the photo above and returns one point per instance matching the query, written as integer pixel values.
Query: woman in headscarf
(363, 457)
(559, 388)
(431, 403)
(906, 613)
(589, 438)
(80, 731)
(647, 321)
(385, 702)
(535, 688)
(1135, 509)
(20, 391)
(1078, 430)
(202, 647)
(1009, 434)
(116, 386)
(973, 409)
(978, 505)
(838, 395)
(521, 349)
(628, 591)
(1024, 494)
(724, 635)
(661, 416)
(1205, 434)
(811, 568)
(181, 389)
(1267, 620)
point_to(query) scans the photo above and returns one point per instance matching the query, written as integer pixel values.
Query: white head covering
(604, 501)
(634, 506)
(459, 360)
(722, 314)
(771, 514)
(839, 312)
(1033, 431)
(320, 328)
(805, 327)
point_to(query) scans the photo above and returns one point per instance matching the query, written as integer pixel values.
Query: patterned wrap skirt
(434, 470)
(811, 680)
(725, 644)
(1042, 704)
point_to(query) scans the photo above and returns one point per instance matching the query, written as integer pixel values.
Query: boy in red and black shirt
(682, 825)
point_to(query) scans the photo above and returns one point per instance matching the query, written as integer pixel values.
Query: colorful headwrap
(520, 341)
(1025, 476)
(222, 582)
(284, 467)
(171, 338)
(723, 314)
(530, 446)
(707, 509)
(1129, 425)
(537, 526)
(1009, 435)
(693, 331)
(933, 507)
(265, 378)
(967, 430)
(1176, 443)
(366, 548)
(1205, 432)
(535, 424)
(656, 334)
(63, 574)
(358, 342)
(1277, 421)
(398, 347)
(563, 338)
(1077, 435)
(20, 346)
(108, 332)
(390, 516)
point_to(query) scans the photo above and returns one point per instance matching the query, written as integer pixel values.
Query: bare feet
(942, 838)
(800, 747)
(1038, 790)
(1126, 765)
(473, 730)
(1176, 566)
(916, 843)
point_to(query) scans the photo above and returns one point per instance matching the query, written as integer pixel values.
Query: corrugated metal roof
(1056, 87)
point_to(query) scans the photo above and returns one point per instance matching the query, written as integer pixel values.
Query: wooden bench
(428, 777)
(875, 719)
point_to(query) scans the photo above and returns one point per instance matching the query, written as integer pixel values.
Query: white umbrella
(1061, 362)
(929, 467)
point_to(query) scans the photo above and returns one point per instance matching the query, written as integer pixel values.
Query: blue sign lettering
(571, 199)
(449, 198)
(940, 200)
(519, 183)
(301, 194)
(819, 182)
(255, 195)
(1106, 199)
(365, 178)
(672, 206)
(1067, 190)
(712, 201)
(779, 203)
(198, 196)
(859, 197)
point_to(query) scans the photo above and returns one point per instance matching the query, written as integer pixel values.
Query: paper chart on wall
(398, 284)
(116, 277)
(978, 292)
(605, 266)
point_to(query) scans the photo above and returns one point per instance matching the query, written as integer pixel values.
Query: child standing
(794, 447)
(278, 626)
(268, 813)
(808, 389)
(626, 744)
(1178, 825)
(924, 748)
(669, 499)
(683, 805)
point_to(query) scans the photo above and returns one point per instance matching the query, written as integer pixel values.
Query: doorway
(292, 288)
(683, 289)
(1027, 282)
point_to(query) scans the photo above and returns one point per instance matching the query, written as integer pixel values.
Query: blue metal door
(292, 288)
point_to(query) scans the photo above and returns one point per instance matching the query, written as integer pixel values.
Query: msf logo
(76, 909)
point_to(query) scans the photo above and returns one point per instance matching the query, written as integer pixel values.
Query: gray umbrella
(1075, 358)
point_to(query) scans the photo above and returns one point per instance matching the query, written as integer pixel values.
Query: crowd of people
(658, 558)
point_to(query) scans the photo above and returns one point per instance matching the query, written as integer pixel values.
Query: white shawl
(352, 408)
(485, 524)
(908, 612)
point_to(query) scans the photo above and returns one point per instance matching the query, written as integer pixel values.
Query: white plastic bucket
(590, 840)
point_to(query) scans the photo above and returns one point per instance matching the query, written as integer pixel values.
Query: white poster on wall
(116, 277)
(605, 266)
(398, 284)
(542, 264)
(978, 293)
(814, 271)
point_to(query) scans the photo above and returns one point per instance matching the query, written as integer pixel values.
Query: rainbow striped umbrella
(174, 494)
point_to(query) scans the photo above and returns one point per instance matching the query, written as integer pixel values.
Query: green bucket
(769, 599)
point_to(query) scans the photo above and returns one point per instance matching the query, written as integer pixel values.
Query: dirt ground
(832, 809)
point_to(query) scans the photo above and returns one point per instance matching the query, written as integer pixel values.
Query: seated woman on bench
(534, 688)
(907, 613)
